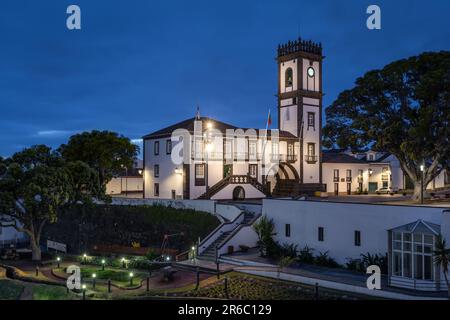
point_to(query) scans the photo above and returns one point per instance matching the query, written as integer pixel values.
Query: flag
(269, 120)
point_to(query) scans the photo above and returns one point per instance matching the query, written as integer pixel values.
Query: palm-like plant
(264, 228)
(442, 258)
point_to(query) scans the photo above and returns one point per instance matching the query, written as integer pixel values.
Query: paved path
(333, 278)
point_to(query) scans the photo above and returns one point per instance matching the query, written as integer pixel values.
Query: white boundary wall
(340, 220)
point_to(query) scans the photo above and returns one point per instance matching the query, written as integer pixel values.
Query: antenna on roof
(197, 114)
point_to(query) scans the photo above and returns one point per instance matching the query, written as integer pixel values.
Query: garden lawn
(45, 292)
(117, 276)
(10, 290)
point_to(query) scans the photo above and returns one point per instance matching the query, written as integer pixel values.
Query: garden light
(93, 280)
(103, 264)
(58, 260)
(131, 279)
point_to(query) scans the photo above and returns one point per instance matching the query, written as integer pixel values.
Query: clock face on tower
(311, 71)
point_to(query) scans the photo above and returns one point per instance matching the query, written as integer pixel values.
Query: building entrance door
(336, 189)
(349, 188)
(373, 186)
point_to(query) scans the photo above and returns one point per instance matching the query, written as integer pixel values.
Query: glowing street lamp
(124, 263)
(131, 278)
(103, 264)
(422, 169)
(84, 258)
(93, 280)
(167, 258)
(58, 260)
(84, 291)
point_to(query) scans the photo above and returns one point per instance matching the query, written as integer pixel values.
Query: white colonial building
(221, 161)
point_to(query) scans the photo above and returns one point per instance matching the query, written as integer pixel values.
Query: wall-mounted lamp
(370, 172)
(178, 171)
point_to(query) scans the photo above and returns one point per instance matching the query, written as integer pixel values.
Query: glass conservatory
(411, 257)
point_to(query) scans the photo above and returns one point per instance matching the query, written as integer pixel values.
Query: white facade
(350, 230)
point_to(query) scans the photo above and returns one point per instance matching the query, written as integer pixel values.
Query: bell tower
(300, 103)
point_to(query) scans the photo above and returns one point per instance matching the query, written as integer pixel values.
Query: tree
(106, 152)
(442, 257)
(403, 109)
(264, 228)
(35, 184)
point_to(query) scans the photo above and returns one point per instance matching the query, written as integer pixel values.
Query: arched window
(288, 78)
(238, 193)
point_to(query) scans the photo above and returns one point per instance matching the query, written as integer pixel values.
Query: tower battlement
(299, 45)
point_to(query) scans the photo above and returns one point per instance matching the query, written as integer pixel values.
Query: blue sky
(137, 66)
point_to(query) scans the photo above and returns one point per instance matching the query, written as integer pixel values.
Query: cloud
(53, 133)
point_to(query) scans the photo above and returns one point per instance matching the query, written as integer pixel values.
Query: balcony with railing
(360, 179)
(348, 178)
(336, 179)
(311, 158)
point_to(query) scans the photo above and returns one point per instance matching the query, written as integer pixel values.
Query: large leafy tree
(36, 184)
(403, 109)
(106, 152)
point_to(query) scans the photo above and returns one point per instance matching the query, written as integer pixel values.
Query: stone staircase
(210, 252)
(233, 179)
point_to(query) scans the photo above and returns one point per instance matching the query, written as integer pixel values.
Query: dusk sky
(137, 66)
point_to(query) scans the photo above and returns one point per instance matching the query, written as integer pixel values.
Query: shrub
(306, 255)
(151, 255)
(375, 259)
(324, 260)
(289, 250)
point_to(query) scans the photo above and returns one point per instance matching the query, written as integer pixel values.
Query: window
(275, 151)
(168, 146)
(288, 230)
(336, 175)
(252, 149)
(370, 157)
(357, 238)
(253, 170)
(156, 190)
(156, 170)
(311, 157)
(412, 255)
(174, 194)
(349, 175)
(294, 100)
(156, 148)
(228, 147)
(200, 174)
(311, 120)
(288, 79)
(320, 234)
(290, 152)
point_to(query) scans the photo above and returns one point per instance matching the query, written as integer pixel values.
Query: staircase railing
(236, 230)
(216, 233)
(234, 179)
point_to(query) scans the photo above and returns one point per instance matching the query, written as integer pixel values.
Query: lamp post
(123, 263)
(84, 291)
(193, 253)
(131, 279)
(103, 264)
(84, 258)
(422, 169)
(58, 260)
(93, 280)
